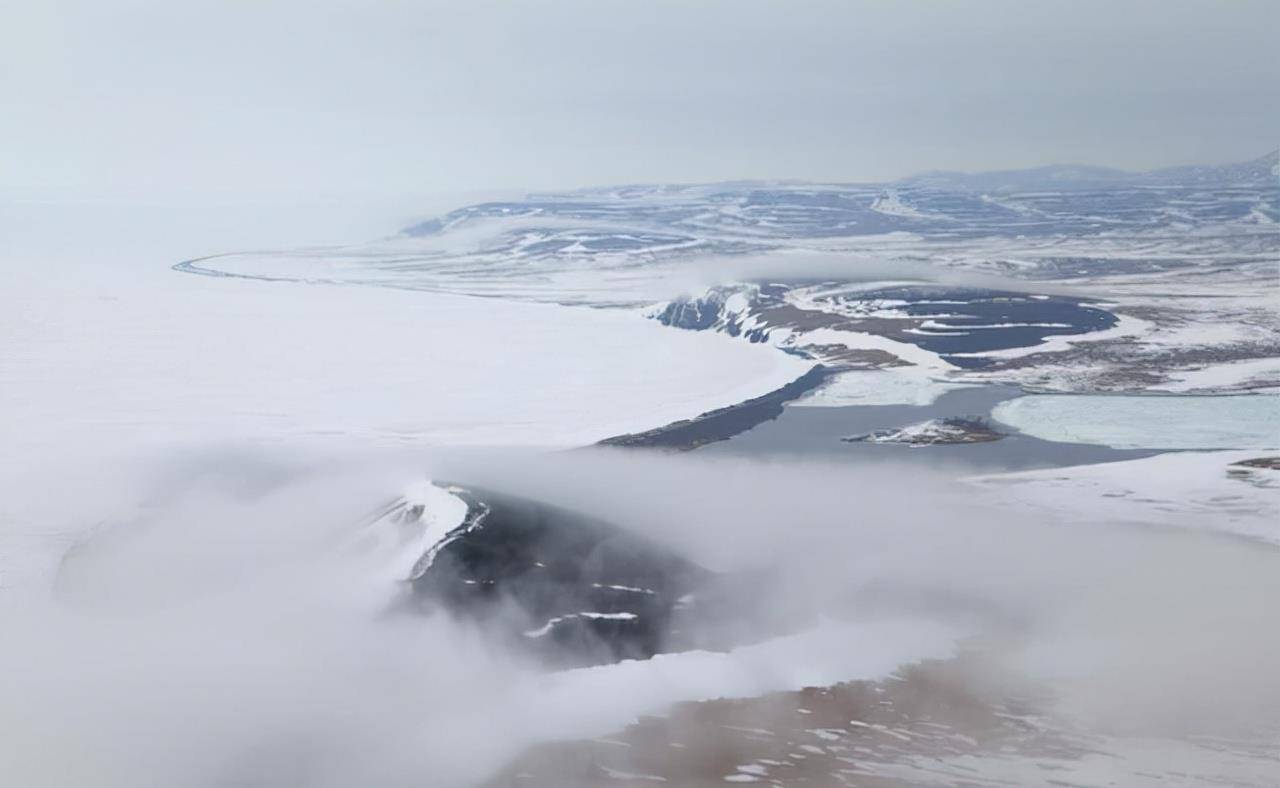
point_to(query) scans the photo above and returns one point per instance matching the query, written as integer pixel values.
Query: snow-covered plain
(158, 355)
(1191, 490)
(108, 361)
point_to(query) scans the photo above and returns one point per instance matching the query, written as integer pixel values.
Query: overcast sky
(102, 99)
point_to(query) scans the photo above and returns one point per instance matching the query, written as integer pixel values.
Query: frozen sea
(1149, 422)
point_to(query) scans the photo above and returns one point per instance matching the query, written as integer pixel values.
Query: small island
(934, 432)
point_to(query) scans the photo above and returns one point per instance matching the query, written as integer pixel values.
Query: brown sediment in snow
(956, 722)
(855, 733)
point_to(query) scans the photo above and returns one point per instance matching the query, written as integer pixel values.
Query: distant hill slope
(1070, 176)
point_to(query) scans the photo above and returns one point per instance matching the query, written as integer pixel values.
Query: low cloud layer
(235, 632)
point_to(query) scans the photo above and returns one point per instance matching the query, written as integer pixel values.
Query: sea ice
(1148, 422)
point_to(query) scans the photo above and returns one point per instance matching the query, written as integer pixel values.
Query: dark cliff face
(693, 314)
(710, 311)
(571, 589)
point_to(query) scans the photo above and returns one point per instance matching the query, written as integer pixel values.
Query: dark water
(816, 433)
(961, 321)
(1043, 317)
(722, 424)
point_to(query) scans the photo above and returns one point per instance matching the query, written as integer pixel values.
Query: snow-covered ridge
(890, 203)
(725, 309)
(410, 532)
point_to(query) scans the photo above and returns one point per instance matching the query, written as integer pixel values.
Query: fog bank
(237, 630)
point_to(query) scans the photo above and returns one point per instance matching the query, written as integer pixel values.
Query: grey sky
(379, 98)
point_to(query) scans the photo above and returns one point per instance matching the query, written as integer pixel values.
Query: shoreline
(723, 423)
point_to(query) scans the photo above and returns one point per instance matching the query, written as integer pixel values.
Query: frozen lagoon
(1148, 422)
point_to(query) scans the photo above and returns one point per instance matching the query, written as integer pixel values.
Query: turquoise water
(1148, 422)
